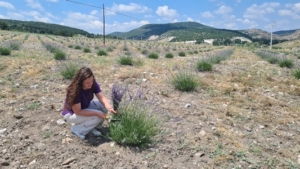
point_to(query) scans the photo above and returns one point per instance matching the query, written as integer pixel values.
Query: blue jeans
(84, 124)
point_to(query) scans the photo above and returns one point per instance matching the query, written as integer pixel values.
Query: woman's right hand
(101, 115)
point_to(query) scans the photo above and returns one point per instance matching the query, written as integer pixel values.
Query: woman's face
(88, 83)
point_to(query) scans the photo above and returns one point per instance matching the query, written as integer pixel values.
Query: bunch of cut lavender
(117, 94)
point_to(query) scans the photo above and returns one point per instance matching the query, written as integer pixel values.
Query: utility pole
(272, 25)
(103, 26)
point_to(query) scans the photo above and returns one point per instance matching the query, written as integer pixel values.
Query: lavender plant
(5, 51)
(13, 44)
(136, 124)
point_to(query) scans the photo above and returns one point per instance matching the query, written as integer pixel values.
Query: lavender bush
(136, 124)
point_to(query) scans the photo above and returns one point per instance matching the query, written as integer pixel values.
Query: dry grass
(247, 107)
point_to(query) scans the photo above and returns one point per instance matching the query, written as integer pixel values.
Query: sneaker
(96, 132)
(77, 133)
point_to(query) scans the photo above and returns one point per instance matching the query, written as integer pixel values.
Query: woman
(81, 109)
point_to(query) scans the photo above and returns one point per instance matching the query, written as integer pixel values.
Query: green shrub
(203, 65)
(86, 50)
(296, 73)
(101, 53)
(286, 63)
(69, 70)
(110, 49)
(5, 51)
(145, 51)
(182, 54)
(215, 60)
(134, 125)
(77, 47)
(53, 48)
(70, 46)
(125, 49)
(169, 55)
(14, 44)
(153, 56)
(125, 60)
(59, 55)
(272, 60)
(184, 81)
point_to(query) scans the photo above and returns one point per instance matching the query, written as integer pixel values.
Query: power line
(84, 4)
(104, 9)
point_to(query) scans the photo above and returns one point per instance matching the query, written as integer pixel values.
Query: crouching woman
(80, 108)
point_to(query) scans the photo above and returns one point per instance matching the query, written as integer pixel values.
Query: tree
(3, 26)
(216, 43)
(237, 41)
(227, 42)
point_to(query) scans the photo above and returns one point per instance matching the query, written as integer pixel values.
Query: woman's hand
(101, 115)
(112, 110)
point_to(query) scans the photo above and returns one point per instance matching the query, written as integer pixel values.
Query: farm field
(244, 113)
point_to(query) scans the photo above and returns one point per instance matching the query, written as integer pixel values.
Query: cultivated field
(243, 114)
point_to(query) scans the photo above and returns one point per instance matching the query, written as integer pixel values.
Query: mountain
(278, 35)
(40, 27)
(286, 32)
(180, 31)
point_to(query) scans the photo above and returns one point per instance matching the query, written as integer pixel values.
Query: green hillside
(286, 32)
(181, 31)
(40, 27)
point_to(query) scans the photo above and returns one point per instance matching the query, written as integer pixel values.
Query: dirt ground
(245, 113)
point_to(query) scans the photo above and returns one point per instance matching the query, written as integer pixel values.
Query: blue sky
(230, 14)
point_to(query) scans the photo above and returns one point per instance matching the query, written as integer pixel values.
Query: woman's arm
(82, 112)
(104, 101)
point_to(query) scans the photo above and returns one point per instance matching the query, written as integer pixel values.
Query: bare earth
(245, 113)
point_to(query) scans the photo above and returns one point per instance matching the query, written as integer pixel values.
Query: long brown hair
(74, 88)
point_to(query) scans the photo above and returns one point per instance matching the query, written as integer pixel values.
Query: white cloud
(53, 0)
(238, 1)
(34, 4)
(16, 16)
(94, 12)
(258, 12)
(37, 16)
(285, 13)
(91, 23)
(223, 10)
(42, 19)
(126, 26)
(296, 7)
(165, 12)
(231, 26)
(51, 16)
(132, 7)
(6, 5)
(207, 14)
(77, 16)
(31, 13)
(2, 17)
(175, 20)
(190, 19)
(251, 24)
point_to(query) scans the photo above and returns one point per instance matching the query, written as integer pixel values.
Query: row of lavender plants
(281, 60)
(8, 46)
(186, 80)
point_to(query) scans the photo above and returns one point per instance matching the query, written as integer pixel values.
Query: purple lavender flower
(117, 94)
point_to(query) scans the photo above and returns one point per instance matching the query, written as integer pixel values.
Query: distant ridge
(43, 28)
(180, 31)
